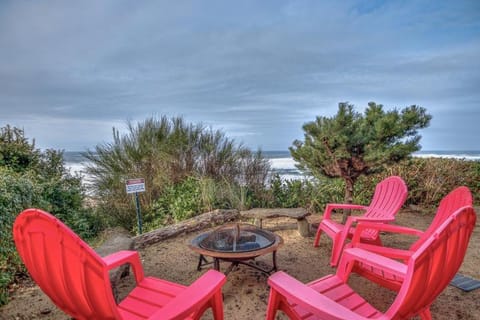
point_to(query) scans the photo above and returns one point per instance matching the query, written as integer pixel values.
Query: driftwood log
(299, 214)
(206, 220)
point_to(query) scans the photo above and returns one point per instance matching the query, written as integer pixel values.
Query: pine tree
(352, 144)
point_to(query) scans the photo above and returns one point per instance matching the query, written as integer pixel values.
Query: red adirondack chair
(456, 199)
(77, 280)
(428, 271)
(388, 198)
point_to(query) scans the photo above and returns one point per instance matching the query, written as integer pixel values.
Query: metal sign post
(139, 215)
(136, 186)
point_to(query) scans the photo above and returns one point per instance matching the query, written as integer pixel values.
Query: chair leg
(217, 306)
(337, 247)
(273, 302)
(317, 236)
(425, 314)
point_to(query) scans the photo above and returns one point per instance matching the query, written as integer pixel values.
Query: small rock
(415, 208)
(45, 311)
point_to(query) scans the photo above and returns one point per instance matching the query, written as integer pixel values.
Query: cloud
(257, 69)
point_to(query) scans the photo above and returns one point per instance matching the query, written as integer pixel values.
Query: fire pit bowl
(236, 243)
(237, 238)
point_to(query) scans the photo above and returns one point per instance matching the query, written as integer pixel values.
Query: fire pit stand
(237, 244)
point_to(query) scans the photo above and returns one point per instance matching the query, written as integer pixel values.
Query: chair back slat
(389, 196)
(64, 266)
(456, 199)
(434, 264)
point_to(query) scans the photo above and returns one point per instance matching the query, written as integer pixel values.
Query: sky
(70, 71)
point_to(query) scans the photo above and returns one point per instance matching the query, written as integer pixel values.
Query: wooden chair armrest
(392, 253)
(351, 221)
(331, 206)
(352, 255)
(309, 299)
(362, 225)
(370, 219)
(193, 297)
(119, 258)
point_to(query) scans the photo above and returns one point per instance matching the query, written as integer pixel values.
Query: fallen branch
(203, 221)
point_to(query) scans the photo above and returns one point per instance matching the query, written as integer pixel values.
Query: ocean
(280, 161)
(283, 164)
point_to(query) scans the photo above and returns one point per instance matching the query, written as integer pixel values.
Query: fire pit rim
(193, 245)
(266, 240)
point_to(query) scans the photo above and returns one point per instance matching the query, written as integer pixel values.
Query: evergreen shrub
(428, 181)
(187, 168)
(32, 178)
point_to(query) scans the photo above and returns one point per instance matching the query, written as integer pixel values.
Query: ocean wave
(280, 161)
(76, 167)
(460, 156)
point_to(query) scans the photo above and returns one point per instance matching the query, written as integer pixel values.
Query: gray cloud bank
(69, 71)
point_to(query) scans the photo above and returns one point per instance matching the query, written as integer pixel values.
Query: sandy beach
(246, 291)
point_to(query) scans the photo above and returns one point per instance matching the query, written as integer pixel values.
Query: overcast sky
(258, 70)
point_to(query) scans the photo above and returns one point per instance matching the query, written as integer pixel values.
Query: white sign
(135, 185)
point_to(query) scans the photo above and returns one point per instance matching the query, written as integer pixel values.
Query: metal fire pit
(236, 243)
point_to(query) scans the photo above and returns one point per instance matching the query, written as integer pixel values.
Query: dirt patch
(246, 291)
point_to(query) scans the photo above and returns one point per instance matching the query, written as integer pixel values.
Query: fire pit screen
(237, 238)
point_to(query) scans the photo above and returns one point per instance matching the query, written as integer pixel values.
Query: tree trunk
(349, 182)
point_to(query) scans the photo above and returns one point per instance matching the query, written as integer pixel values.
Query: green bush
(19, 191)
(312, 194)
(16, 152)
(31, 178)
(167, 153)
(428, 181)
(194, 196)
(16, 193)
(180, 201)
